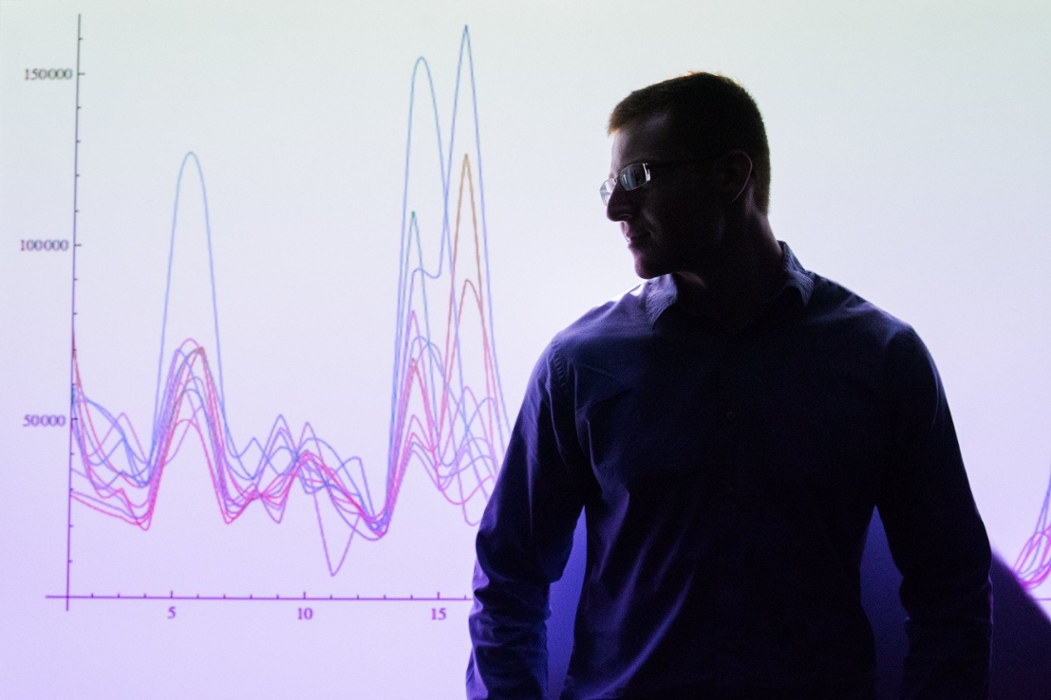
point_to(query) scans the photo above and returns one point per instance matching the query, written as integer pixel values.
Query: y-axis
(73, 324)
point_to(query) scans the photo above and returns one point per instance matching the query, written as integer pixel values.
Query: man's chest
(782, 412)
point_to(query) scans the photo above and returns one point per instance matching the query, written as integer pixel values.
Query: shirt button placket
(727, 487)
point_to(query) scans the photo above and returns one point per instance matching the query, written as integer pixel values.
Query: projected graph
(447, 412)
(1033, 566)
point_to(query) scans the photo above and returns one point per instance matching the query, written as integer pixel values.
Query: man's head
(706, 173)
(712, 113)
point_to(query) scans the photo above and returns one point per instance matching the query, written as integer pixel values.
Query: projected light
(290, 512)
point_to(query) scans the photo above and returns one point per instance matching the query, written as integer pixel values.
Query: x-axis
(438, 598)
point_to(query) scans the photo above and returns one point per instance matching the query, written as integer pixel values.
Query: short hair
(725, 117)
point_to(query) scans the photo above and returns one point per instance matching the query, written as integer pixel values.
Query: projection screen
(274, 276)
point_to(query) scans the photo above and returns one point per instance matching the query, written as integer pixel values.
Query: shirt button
(730, 415)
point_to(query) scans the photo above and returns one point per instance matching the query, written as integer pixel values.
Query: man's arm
(524, 541)
(935, 535)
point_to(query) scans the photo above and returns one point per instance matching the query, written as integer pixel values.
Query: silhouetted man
(727, 427)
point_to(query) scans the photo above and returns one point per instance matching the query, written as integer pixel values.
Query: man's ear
(735, 168)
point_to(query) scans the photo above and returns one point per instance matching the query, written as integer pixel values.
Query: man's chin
(647, 269)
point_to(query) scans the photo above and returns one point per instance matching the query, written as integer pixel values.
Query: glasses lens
(634, 176)
(631, 177)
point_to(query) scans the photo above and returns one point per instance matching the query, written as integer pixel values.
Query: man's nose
(621, 205)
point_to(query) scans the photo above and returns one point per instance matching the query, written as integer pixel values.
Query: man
(727, 428)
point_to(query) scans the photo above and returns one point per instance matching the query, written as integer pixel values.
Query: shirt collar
(660, 293)
(796, 276)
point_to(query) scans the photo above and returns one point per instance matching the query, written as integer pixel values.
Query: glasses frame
(609, 184)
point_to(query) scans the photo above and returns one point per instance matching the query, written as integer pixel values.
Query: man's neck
(739, 285)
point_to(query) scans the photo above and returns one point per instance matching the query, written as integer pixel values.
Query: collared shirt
(727, 482)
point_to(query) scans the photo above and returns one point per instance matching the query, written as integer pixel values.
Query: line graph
(326, 397)
(447, 411)
(1033, 565)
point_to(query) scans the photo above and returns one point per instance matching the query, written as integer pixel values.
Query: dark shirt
(727, 482)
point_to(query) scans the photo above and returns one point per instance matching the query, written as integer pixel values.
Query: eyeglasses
(634, 176)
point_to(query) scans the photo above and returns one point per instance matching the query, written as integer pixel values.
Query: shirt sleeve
(935, 535)
(524, 540)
